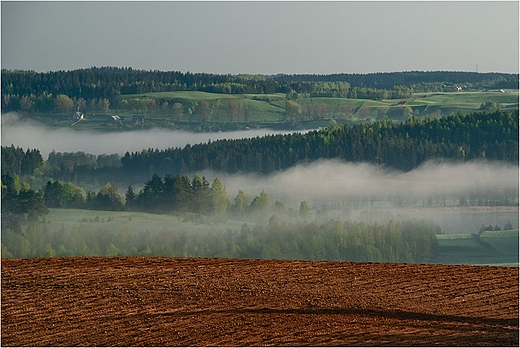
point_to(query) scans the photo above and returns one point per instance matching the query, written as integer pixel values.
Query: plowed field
(137, 301)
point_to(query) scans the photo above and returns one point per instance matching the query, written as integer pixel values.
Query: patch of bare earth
(138, 301)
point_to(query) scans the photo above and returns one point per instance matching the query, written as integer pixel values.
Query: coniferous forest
(400, 146)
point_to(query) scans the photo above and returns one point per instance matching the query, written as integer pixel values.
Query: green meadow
(499, 248)
(269, 110)
(136, 221)
(260, 107)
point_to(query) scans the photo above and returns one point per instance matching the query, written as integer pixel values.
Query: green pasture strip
(462, 249)
(331, 101)
(268, 110)
(258, 111)
(453, 236)
(502, 241)
(261, 106)
(274, 96)
(421, 101)
(499, 234)
(471, 98)
(136, 221)
(374, 104)
(417, 104)
(264, 108)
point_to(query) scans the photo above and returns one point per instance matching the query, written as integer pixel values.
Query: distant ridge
(387, 80)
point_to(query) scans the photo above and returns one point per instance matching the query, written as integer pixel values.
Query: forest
(96, 89)
(166, 188)
(197, 219)
(400, 146)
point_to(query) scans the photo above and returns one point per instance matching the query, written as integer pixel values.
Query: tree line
(490, 136)
(419, 80)
(97, 89)
(177, 193)
(20, 203)
(333, 240)
(200, 201)
(63, 166)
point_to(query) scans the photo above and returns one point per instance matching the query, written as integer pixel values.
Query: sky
(262, 37)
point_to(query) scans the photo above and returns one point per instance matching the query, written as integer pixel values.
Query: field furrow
(138, 301)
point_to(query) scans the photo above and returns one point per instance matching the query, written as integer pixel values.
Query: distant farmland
(240, 111)
(424, 103)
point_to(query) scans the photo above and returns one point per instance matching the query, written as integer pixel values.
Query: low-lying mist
(326, 185)
(329, 179)
(353, 189)
(34, 135)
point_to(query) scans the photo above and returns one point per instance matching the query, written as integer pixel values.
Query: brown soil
(138, 301)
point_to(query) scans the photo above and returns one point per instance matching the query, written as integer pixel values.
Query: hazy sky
(262, 37)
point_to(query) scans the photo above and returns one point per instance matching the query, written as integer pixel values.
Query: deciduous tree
(204, 111)
(219, 196)
(63, 103)
(178, 111)
(240, 203)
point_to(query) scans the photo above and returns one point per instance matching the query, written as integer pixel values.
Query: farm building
(77, 116)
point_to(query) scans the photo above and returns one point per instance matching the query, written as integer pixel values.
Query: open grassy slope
(261, 107)
(423, 102)
(137, 221)
(490, 248)
(269, 110)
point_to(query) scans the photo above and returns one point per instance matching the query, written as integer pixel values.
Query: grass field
(472, 99)
(182, 96)
(490, 248)
(268, 110)
(271, 107)
(261, 107)
(505, 242)
(136, 221)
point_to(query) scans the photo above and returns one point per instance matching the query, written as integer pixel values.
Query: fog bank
(30, 134)
(370, 193)
(333, 179)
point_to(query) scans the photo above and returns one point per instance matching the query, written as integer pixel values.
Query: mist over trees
(289, 234)
(487, 136)
(333, 240)
(410, 241)
(402, 146)
(168, 183)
